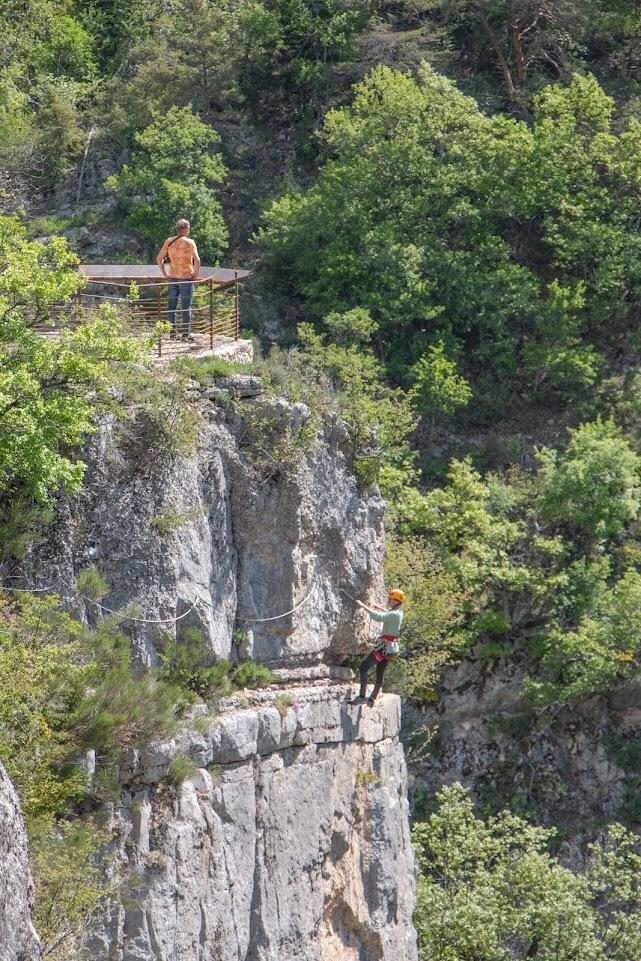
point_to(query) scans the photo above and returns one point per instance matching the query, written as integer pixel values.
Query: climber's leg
(380, 670)
(363, 670)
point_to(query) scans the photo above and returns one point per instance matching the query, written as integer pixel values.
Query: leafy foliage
(72, 881)
(490, 889)
(535, 561)
(48, 65)
(454, 267)
(180, 769)
(595, 489)
(252, 675)
(172, 175)
(437, 385)
(71, 691)
(187, 664)
(433, 611)
(451, 242)
(68, 690)
(525, 43)
(45, 410)
(380, 416)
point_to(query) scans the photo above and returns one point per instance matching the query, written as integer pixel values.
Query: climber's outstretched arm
(375, 612)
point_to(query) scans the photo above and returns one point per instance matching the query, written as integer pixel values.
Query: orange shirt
(181, 252)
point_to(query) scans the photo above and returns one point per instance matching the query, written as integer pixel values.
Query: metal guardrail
(215, 308)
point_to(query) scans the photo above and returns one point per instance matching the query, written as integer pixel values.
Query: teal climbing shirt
(391, 621)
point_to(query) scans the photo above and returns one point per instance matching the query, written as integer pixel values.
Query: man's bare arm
(160, 259)
(196, 265)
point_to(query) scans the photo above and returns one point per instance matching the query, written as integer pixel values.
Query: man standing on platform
(184, 265)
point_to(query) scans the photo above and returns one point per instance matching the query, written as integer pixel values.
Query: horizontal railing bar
(216, 284)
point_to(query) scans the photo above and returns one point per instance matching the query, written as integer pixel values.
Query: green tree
(46, 41)
(289, 47)
(48, 67)
(519, 38)
(603, 648)
(545, 559)
(594, 488)
(45, 408)
(172, 173)
(437, 386)
(172, 67)
(519, 243)
(490, 889)
(60, 139)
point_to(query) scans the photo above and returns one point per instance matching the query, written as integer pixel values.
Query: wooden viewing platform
(215, 311)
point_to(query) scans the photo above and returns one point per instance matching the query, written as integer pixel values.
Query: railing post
(159, 318)
(211, 313)
(237, 308)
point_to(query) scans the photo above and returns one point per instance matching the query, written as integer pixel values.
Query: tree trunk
(500, 56)
(517, 43)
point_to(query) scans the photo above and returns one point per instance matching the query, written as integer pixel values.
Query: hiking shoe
(358, 700)
(173, 336)
(189, 338)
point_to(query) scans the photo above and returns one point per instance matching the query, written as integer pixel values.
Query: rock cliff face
(18, 941)
(216, 540)
(290, 839)
(572, 766)
(289, 842)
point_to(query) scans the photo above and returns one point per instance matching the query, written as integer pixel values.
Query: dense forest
(441, 203)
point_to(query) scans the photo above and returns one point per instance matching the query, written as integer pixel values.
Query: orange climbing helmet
(396, 595)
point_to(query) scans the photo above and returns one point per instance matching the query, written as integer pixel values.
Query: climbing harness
(388, 649)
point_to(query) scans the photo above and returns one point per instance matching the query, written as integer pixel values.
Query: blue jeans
(184, 291)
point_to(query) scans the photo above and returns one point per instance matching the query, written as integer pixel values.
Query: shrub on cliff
(45, 383)
(187, 665)
(67, 690)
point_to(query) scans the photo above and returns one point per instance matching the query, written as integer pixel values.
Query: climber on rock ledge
(385, 646)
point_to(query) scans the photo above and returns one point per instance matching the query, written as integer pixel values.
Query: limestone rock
(291, 843)
(209, 540)
(18, 940)
(241, 385)
(561, 762)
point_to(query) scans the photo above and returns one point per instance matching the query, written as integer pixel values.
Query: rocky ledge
(289, 841)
